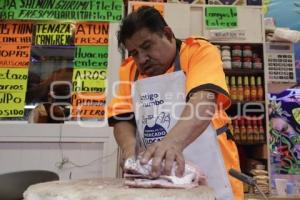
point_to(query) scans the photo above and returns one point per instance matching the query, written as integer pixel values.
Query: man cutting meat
(172, 94)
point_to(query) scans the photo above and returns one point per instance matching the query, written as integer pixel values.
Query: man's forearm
(124, 133)
(195, 118)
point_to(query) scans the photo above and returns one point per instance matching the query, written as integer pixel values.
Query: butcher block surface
(110, 189)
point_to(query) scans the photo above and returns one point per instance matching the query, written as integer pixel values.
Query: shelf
(250, 144)
(246, 72)
(233, 102)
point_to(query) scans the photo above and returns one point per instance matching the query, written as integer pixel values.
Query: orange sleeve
(205, 71)
(120, 108)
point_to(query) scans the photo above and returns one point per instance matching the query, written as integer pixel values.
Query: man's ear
(168, 33)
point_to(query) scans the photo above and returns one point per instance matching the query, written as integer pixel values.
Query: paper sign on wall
(91, 33)
(14, 56)
(221, 17)
(158, 6)
(89, 80)
(79, 10)
(15, 32)
(88, 105)
(13, 79)
(52, 34)
(12, 104)
(91, 57)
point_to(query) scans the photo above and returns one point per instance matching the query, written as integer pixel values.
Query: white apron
(158, 103)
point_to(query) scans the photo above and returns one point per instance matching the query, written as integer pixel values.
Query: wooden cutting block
(110, 189)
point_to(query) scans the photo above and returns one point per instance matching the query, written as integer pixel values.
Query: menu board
(78, 10)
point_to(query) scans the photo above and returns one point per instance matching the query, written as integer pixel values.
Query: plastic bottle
(261, 131)
(249, 131)
(253, 90)
(240, 89)
(243, 130)
(246, 89)
(233, 88)
(260, 90)
(227, 83)
(256, 138)
(237, 135)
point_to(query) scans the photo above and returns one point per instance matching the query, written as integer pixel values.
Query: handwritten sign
(53, 34)
(227, 34)
(91, 33)
(14, 56)
(13, 32)
(91, 57)
(158, 6)
(89, 80)
(88, 105)
(79, 10)
(13, 79)
(12, 104)
(221, 17)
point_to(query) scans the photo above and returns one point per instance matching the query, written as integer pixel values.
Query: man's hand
(167, 152)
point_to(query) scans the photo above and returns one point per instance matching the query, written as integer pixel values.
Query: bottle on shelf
(256, 138)
(240, 89)
(233, 88)
(236, 62)
(246, 89)
(257, 64)
(253, 89)
(247, 51)
(260, 90)
(249, 130)
(261, 131)
(227, 83)
(243, 130)
(247, 62)
(236, 51)
(237, 135)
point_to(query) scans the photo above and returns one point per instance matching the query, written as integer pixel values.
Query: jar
(247, 51)
(236, 62)
(247, 63)
(236, 51)
(257, 64)
(225, 51)
(226, 62)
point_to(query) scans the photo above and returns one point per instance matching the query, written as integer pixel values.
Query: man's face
(153, 53)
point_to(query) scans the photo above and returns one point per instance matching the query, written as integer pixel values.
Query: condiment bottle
(237, 135)
(261, 131)
(233, 89)
(257, 64)
(226, 62)
(260, 90)
(247, 63)
(227, 82)
(249, 131)
(240, 89)
(236, 62)
(246, 89)
(236, 51)
(243, 130)
(247, 51)
(253, 91)
(255, 130)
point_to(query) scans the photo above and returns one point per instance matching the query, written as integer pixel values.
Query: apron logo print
(156, 132)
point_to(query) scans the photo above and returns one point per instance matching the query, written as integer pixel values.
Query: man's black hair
(144, 17)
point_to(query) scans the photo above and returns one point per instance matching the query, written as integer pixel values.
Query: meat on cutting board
(138, 175)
